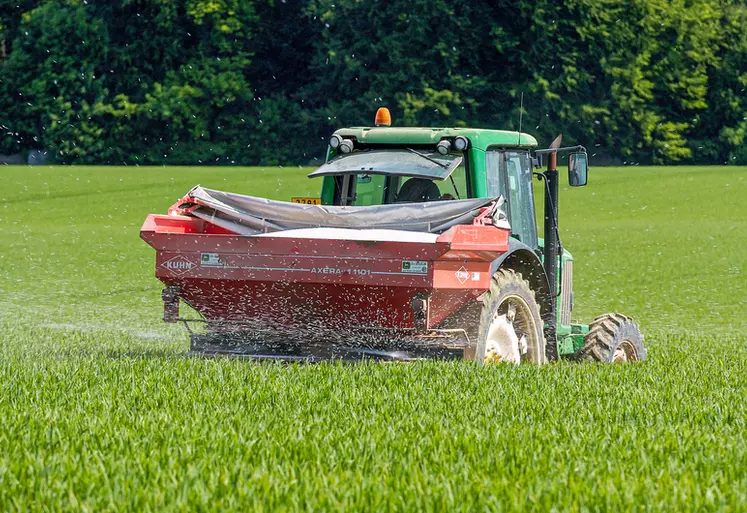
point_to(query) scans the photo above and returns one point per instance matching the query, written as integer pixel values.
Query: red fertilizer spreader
(272, 279)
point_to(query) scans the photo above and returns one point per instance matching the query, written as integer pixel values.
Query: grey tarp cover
(249, 215)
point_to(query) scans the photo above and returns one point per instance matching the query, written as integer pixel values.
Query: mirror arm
(578, 148)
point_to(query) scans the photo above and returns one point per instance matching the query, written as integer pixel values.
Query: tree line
(266, 82)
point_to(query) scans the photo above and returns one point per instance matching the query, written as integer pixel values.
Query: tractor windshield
(378, 177)
(400, 162)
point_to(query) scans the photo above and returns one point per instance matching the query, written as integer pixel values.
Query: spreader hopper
(275, 279)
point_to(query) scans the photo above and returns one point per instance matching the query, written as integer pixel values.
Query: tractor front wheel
(613, 338)
(511, 328)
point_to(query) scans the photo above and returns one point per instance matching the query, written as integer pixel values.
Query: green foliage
(431, 106)
(102, 411)
(650, 81)
(722, 134)
(84, 91)
(45, 88)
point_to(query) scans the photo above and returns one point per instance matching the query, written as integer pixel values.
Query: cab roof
(480, 138)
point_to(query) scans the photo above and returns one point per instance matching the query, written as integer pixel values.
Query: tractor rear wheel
(511, 328)
(613, 338)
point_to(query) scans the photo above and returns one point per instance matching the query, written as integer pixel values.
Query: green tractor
(530, 300)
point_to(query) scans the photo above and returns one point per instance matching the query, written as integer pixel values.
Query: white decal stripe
(251, 268)
(272, 255)
(298, 269)
(401, 274)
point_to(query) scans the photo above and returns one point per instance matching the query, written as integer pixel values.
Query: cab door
(509, 174)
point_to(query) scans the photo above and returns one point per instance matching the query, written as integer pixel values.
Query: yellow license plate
(307, 201)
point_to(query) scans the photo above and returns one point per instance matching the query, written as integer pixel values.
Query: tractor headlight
(346, 145)
(461, 143)
(443, 147)
(334, 141)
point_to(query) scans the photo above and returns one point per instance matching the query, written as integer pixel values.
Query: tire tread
(602, 339)
(502, 279)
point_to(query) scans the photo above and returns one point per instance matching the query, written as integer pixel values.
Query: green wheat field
(101, 410)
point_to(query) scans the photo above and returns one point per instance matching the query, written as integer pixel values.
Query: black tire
(509, 290)
(613, 338)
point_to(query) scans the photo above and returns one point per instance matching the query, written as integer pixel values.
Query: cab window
(376, 189)
(369, 190)
(456, 189)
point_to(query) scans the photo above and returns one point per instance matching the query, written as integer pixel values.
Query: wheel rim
(512, 336)
(625, 352)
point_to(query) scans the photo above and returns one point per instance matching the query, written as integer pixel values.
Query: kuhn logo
(178, 265)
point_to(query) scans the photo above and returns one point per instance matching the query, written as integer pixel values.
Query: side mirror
(578, 169)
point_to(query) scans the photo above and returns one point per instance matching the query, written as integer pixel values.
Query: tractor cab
(384, 165)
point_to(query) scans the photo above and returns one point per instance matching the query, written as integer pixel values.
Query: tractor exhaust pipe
(552, 243)
(551, 248)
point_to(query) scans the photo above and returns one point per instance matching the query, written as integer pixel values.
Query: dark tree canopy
(241, 82)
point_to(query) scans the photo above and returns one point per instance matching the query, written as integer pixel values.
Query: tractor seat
(417, 190)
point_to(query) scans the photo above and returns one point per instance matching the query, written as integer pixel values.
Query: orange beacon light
(383, 118)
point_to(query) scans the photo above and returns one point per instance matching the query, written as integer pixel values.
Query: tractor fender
(522, 259)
